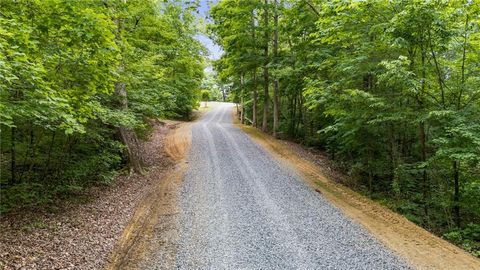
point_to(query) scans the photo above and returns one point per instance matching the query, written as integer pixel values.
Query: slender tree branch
(464, 57)
(312, 8)
(137, 21)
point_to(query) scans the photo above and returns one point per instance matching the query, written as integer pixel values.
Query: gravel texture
(241, 210)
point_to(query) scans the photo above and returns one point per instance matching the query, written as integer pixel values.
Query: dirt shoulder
(420, 248)
(152, 232)
(83, 234)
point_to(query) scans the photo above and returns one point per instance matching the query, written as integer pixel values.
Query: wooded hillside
(389, 89)
(80, 82)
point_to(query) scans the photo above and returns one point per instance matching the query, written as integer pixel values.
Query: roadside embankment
(82, 233)
(418, 246)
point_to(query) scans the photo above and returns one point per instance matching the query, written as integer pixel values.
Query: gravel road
(240, 209)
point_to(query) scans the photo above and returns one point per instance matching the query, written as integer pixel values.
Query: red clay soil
(82, 235)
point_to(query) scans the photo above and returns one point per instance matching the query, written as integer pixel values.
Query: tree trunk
(423, 143)
(33, 153)
(370, 181)
(254, 92)
(276, 104)
(255, 97)
(242, 101)
(456, 195)
(49, 154)
(265, 70)
(28, 154)
(425, 182)
(300, 115)
(224, 95)
(293, 113)
(128, 136)
(392, 150)
(13, 157)
(464, 58)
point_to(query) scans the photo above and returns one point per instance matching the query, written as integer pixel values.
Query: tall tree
(276, 109)
(266, 61)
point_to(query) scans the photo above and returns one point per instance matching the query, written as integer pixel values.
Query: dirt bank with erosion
(82, 234)
(153, 230)
(418, 246)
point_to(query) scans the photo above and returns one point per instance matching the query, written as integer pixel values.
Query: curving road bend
(241, 210)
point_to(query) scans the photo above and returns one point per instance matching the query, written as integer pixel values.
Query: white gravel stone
(240, 209)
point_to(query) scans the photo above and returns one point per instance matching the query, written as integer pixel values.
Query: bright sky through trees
(215, 51)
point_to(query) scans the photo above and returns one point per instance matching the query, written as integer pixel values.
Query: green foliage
(468, 238)
(57, 65)
(61, 63)
(389, 89)
(205, 95)
(211, 85)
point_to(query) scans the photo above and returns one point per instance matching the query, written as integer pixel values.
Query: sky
(214, 50)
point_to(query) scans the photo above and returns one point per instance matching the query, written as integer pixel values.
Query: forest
(390, 90)
(81, 82)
